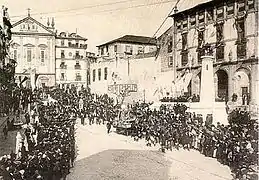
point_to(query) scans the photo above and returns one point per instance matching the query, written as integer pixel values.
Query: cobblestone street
(113, 156)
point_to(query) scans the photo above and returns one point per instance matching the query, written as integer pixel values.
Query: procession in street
(179, 105)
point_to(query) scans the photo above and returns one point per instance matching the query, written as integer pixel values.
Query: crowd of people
(47, 149)
(50, 150)
(235, 145)
(182, 98)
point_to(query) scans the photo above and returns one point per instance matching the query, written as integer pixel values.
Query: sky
(99, 20)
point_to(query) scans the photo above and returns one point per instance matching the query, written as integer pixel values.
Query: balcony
(78, 78)
(63, 66)
(77, 66)
(83, 46)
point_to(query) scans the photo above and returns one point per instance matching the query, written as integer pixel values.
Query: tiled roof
(133, 39)
(186, 6)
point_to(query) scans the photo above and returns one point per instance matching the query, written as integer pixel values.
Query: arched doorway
(242, 86)
(221, 85)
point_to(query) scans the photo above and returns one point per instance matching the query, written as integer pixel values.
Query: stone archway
(242, 86)
(221, 85)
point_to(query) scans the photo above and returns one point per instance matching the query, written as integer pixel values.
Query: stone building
(231, 29)
(71, 59)
(126, 60)
(33, 47)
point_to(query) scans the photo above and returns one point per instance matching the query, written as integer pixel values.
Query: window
(230, 9)
(69, 44)
(62, 54)
(184, 58)
(29, 55)
(219, 43)
(201, 17)
(185, 24)
(184, 53)
(105, 73)
(94, 71)
(140, 50)
(78, 77)
(15, 54)
(62, 65)
(33, 27)
(241, 5)
(170, 47)
(219, 30)
(240, 26)
(200, 50)
(62, 42)
(62, 77)
(129, 49)
(77, 66)
(220, 53)
(88, 77)
(115, 48)
(99, 74)
(241, 40)
(184, 41)
(193, 20)
(170, 61)
(151, 49)
(210, 14)
(102, 51)
(250, 4)
(220, 12)
(42, 56)
(77, 55)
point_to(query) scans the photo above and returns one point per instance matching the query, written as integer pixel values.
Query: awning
(186, 81)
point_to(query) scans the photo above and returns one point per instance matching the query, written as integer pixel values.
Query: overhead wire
(99, 5)
(76, 9)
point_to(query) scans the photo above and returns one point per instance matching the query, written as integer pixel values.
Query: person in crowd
(51, 141)
(5, 131)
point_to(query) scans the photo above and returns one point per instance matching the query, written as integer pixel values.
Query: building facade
(126, 60)
(231, 29)
(71, 59)
(46, 58)
(33, 48)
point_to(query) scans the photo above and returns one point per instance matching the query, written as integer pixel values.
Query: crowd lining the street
(51, 154)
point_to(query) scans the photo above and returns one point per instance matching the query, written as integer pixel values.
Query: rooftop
(66, 35)
(189, 6)
(133, 39)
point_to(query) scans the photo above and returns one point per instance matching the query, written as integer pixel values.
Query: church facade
(33, 47)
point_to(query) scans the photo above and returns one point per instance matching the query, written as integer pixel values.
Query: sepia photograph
(129, 90)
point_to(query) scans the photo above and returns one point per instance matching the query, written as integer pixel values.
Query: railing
(78, 78)
(77, 67)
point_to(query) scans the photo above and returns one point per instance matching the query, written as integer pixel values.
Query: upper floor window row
(215, 14)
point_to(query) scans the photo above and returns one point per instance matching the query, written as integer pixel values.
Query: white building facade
(71, 59)
(33, 48)
(129, 60)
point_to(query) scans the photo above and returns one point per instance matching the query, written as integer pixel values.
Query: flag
(24, 79)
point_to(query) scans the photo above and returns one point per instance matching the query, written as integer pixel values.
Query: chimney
(53, 23)
(48, 22)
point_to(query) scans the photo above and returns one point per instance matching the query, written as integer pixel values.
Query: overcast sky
(99, 20)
